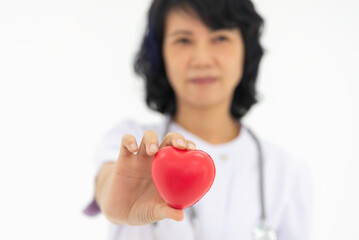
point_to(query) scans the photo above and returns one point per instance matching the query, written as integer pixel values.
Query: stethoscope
(260, 232)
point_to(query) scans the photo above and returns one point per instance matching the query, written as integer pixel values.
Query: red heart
(182, 177)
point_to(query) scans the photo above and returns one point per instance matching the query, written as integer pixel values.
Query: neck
(214, 125)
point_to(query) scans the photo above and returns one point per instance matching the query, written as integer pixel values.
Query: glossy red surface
(182, 177)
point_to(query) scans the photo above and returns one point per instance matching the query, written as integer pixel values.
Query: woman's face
(203, 66)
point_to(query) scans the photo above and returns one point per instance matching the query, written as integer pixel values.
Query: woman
(200, 61)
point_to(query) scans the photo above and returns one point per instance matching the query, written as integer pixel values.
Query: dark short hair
(216, 14)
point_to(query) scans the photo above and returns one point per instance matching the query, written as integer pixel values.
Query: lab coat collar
(201, 142)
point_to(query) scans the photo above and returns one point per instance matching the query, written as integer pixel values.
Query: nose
(202, 56)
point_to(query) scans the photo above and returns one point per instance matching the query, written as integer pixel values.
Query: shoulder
(288, 180)
(286, 174)
(283, 160)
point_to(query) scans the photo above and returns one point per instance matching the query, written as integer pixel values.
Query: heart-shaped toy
(182, 177)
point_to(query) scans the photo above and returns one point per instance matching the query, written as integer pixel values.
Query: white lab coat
(231, 208)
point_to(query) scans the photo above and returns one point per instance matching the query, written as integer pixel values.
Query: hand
(130, 196)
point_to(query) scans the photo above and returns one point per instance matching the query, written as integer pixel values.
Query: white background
(66, 78)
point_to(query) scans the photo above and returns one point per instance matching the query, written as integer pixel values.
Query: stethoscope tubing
(193, 214)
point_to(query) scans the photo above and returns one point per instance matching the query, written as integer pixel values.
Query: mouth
(203, 80)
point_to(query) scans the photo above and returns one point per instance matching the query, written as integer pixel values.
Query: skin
(124, 190)
(192, 50)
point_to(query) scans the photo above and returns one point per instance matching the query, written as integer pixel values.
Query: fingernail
(181, 142)
(191, 146)
(133, 147)
(153, 148)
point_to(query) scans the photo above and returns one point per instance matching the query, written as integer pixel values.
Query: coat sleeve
(296, 221)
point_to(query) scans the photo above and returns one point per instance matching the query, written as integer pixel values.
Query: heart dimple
(182, 177)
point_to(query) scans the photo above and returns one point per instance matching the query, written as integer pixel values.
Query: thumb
(172, 213)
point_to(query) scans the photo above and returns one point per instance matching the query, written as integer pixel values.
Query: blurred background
(66, 78)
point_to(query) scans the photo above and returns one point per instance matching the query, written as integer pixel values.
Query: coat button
(224, 157)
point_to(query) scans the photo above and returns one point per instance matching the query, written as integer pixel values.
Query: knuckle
(150, 134)
(166, 137)
(151, 216)
(178, 135)
(127, 138)
(172, 135)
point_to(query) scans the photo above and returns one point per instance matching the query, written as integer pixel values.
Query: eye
(221, 38)
(183, 41)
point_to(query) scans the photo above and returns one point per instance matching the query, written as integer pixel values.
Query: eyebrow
(179, 32)
(186, 32)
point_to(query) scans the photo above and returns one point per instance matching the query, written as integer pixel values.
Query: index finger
(128, 145)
